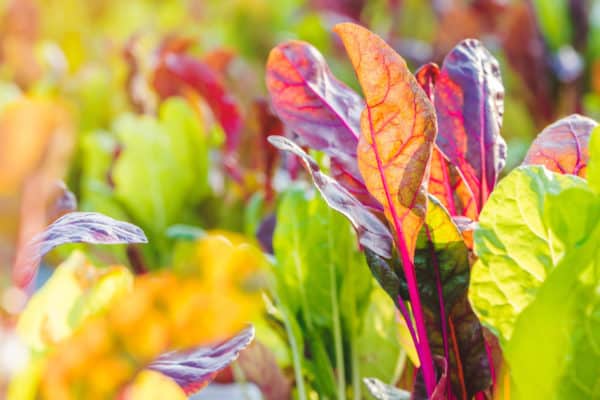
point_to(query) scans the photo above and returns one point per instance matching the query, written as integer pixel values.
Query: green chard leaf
(516, 250)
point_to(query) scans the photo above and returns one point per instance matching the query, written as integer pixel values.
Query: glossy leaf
(469, 105)
(442, 267)
(372, 233)
(74, 227)
(397, 131)
(563, 146)
(321, 110)
(566, 358)
(194, 369)
(445, 182)
(514, 246)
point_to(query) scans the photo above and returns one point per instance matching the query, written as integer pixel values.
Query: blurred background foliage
(90, 93)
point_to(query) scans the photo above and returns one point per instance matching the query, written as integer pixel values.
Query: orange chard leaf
(398, 128)
(562, 147)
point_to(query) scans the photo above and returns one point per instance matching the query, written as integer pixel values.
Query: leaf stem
(337, 331)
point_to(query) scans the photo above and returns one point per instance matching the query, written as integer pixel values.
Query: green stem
(337, 331)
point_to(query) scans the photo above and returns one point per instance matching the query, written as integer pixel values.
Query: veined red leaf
(321, 110)
(445, 182)
(398, 130)
(177, 71)
(194, 369)
(469, 102)
(563, 146)
(372, 233)
(74, 227)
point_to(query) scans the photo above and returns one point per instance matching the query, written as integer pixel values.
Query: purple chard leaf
(372, 233)
(194, 369)
(74, 227)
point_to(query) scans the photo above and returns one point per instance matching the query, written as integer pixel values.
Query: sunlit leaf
(469, 104)
(372, 233)
(74, 227)
(321, 110)
(563, 146)
(397, 131)
(194, 369)
(515, 249)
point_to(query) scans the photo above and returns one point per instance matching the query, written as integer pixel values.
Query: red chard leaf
(321, 110)
(372, 233)
(74, 227)
(469, 102)
(563, 146)
(177, 72)
(192, 370)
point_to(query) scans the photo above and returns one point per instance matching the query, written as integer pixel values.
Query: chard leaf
(594, 165)
(321, 110)
(563, 146)
(397, 131)
(445, 182)
(442, 263)
(562, 362)
(515, 248)
(74, 227)
(163, 166)
(372, 233)
(194, 369)
(382, 391)
(321, 278)
(469, 102)
(179, 72)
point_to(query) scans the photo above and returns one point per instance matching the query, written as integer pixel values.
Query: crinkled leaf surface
(194, 369)
(398, 129)
(594, 164)
(469, 102)
(563, 146)
(514, 246)
(372, 233)
(553, 351)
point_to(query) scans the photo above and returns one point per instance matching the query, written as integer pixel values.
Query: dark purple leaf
(372, 233)
(194, 369)
(74, 227)
(469, 103)
(563, 146)
(264, 233)
(440, 391)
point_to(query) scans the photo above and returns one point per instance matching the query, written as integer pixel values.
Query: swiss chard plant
(414, 165)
